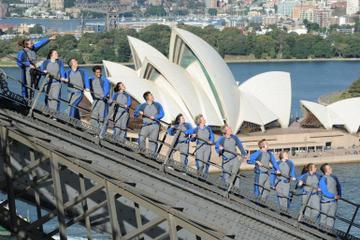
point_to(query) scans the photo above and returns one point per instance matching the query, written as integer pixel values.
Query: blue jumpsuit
(121, 114)
(203, 148)
(78, 81)
(262, 174)
(311, 194)
(230, 162)
(150, 127)
(53, 89)
(100, 90)
(330, 187)
(282, 183)
(24, 60)
(182, 144)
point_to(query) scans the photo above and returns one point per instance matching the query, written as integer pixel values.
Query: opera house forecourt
(195, 79)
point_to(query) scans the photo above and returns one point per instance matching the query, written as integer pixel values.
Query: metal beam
(172, 228)
(36, 193)
(8, 173)
(67, 205)
(85, 207)
(115, 227)
(140, 230)
(58, 197)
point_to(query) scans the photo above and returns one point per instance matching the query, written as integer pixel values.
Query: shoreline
(233, 61)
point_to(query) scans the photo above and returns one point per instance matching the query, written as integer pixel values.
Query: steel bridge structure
(68, 174)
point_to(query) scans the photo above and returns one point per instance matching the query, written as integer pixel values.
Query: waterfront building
(286, 7)
(303, 11)
(56, 5)
(342, 114)
(352, 7)
(195, 79)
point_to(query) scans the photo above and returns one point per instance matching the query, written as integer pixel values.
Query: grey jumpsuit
(203, 151)
(150, 129)
(54, 87)
(99, 106)
(121, 117)
(328, 205)
(232, 164)
(313, 206)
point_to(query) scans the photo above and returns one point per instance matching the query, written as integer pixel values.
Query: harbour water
(309, 81)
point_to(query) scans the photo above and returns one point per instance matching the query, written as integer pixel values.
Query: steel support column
(8, 173)
(85, 206)
(36, 193)
(110, 196)
(58, 196)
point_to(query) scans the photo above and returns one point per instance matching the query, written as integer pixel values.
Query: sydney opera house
(343, 114)
(195, 79)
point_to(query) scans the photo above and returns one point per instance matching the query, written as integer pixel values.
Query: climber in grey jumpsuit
(152, 112)
(262, 159)
(226, 147)
(310, 186)
(54, 67)
(204, 137)
(282, 182)
(330, 193)
(182, 143)
(100, 90)
(121, 101)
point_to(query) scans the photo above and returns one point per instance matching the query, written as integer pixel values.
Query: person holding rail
(262, 159)
(226, 147)
(121, 101)
(26, 60)
(151, 112)
(182, 143)
(55, 73)
(282, 181)
(78, 81)
(204, 137)
(330, 193)
(99, 88)
(309, 182)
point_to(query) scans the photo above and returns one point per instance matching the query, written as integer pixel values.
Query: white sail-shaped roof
(344, 112)
(140, 50)
(195, 79)
(209, 69)
(273, 90)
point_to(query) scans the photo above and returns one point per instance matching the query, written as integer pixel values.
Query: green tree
(36, 29)
(157, 36)
(232, 42)
(155, 11)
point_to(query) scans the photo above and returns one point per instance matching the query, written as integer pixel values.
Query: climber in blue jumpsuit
(262, 159)
(226, 147)
(26, 60)
(100, 90)
(282, 182)
(182, 143)
(330, 193)
(152, 112)
(78, 81)
(204, 137)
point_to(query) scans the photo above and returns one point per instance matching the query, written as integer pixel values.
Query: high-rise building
(56, 5)
(286, 7)
(322, 17)
(352, 7)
